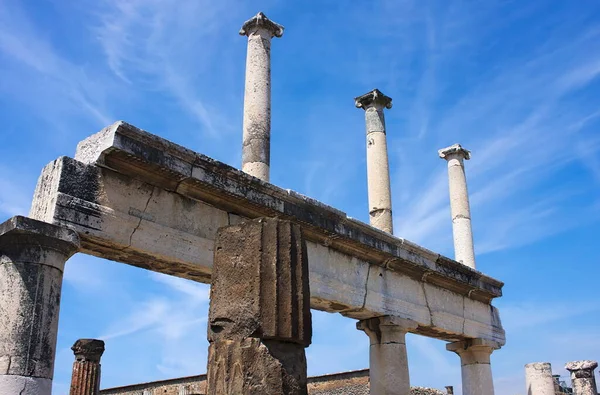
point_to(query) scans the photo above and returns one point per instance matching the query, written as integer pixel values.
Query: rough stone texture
(256, 145)
(449, 390)
(538, 379)
(582, 377)
(259, 320)
(459, 204)
(139, 199)
(476, 370)
(32, 258)
(378, 171)
(85, 379)
(388, 360)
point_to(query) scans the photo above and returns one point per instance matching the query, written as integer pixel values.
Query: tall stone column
(476, 371)
(459, 204)
(259, 315)
(85, 379)
(388, 361)
(32, 259)
(538, 379)
(582, 377)
(256, 150)
(378, 169)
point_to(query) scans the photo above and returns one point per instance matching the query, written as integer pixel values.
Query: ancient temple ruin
(133, 197)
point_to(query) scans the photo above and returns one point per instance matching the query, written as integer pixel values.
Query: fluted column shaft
(85, 379)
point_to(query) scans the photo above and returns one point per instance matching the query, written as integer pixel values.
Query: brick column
(85, 379)
(388, 361)
(476, 370)
(32, 259)
(538, 379)
(582, 377)
(256, 150)
(378, 169)
(259, 316)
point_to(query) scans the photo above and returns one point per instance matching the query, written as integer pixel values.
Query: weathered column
(388, 361)
(32, 259)
(459, 204)
(476, 370)
(256, 150)
(582, 377)
(85, 379)
(378, 169)
(259, 316)
(538, 379)
(449, 390)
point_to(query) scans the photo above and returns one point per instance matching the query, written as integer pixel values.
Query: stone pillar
(256, 150)
(378, 169)
(459, 204)
(85, 379)
(476, 370)
(32, 259)
(449, 390)
(259, 315)
(388, 361)
(538, 379)
(582, 377)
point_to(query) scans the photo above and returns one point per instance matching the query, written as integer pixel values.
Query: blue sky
(515, 82)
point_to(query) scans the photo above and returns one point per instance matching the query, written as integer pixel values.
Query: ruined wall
(193, 385)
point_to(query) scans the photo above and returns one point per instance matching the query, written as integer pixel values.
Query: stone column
(378, 169)
(85, 379)
(32, 259)
(476, 370)
(582, 377)
(259, 315)
(538, 379)
(449, 390)
(388, 361)
(459, 204)
(256, 150)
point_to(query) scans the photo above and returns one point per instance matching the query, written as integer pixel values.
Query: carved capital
(373, 99)
(260, 21)
(454, 150)
(581, 369)
(88, 350)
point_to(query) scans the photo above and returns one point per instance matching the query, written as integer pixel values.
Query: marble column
(256, 150)
(85, 379)
(538, 379)
(32, 260)
(378, 170)
(459, 204)
(476, 371)
(388, 361)
(582, 377)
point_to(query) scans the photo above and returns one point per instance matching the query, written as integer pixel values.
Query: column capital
(582, 369)
(379, 327)
(260, 21)
(88, 350)
(474, 350)
(373, 99)
(454, 150)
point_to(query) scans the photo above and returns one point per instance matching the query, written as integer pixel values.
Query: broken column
(32, 260)
(476, 370)
(582, 377)
(85, 379)
(449, 390)
(538, 379)
(459, 204)
(256, 149)
(388, 361)
(378, 169)
(259, 316)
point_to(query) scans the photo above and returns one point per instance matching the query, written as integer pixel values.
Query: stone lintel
(373, 98)
(88, 350)
(455, 149)
(260, 21)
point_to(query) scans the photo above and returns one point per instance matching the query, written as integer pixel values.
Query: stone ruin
(135, 198)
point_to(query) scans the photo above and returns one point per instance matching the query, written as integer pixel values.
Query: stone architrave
(388, 360)
(582, 377)
(378, 169)
(32, 259)
(259, 316)
(85, 379)
(476, 370)
(256, 150)
(538, 379)
(464, 250)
